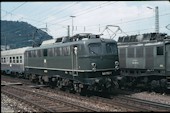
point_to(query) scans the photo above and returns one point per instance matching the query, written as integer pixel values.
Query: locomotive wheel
(59, 85)
(155, 85)
(40, 80)
(163, 85)
(77, 88)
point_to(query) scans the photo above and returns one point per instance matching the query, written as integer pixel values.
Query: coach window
(20, 59)
(17, 59)
(13, 59)
(4, 60)
(10, 59)
(160, 50)
(1, 60)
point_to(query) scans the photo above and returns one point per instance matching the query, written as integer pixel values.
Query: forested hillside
(21, 34)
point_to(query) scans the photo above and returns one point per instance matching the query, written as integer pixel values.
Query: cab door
(75, 60)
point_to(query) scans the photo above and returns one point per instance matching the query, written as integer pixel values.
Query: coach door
(167, 58)
(74, 59)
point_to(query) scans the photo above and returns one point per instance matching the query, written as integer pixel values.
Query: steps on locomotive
(168, 82)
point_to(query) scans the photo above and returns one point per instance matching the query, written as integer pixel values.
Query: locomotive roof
(51, 41)
(147, 37)
(95, 40)
(15, 51)
(144, 43)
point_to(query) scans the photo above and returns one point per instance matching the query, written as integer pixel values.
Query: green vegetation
(20, 34)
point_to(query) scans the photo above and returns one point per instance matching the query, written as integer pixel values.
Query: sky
(132, 17)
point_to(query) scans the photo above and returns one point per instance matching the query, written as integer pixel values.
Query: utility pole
(46, 27)
(156, 18)
(99, 27)
(33, 37)
(68, 31)
(72, 23)
(5, 42)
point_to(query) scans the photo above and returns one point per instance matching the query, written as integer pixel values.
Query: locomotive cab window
(111, 48)
(95, 48)
(160, 50)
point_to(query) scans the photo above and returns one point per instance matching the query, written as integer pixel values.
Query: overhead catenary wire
(85, 9)
(103, 25)
(55, 23)
(113, 23)
(128, 21)
(98, 6)
(14, 9)
(61, 10)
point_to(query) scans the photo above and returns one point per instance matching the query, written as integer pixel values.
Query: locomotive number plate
(107, 73)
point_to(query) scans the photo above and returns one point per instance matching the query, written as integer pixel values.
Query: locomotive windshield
(95, 48)
(111, 48)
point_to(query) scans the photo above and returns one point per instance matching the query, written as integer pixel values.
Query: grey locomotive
(145, 60)
(78, 63)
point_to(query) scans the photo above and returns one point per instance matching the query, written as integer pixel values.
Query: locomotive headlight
(116, 63)
(117, 67)
(93, 66)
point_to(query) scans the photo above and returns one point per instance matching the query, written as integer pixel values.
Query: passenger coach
(12, 61)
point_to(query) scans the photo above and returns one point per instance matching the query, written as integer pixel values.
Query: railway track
(149, 105)
(96, 103)
(135, 103)
(15, 79)
(120, 102)
(42, 102)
